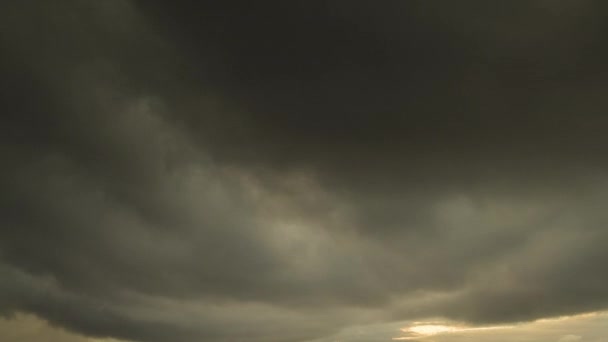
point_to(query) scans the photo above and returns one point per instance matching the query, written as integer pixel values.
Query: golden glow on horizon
(424, 329)
(430, 329)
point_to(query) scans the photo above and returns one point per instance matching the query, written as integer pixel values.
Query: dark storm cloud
(440, 84)
(277, 170)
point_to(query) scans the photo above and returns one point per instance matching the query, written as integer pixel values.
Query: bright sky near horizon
(591, 327)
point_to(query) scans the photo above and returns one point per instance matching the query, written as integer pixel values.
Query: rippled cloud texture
(287, 170)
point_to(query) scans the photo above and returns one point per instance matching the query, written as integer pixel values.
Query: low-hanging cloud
(280, 171)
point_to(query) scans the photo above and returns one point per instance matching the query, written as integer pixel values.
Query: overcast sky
(303, 170)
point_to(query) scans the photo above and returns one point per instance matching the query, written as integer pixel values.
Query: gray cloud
(278, 172)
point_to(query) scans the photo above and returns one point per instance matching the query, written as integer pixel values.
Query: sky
(303, 171)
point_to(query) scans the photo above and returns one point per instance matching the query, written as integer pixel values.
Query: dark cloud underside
(280, 170)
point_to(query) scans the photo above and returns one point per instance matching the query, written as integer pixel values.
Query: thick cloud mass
(280, 170)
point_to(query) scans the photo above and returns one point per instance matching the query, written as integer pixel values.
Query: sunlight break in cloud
(424, 329)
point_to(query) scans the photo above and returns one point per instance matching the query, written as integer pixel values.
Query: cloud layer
(279, 171)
